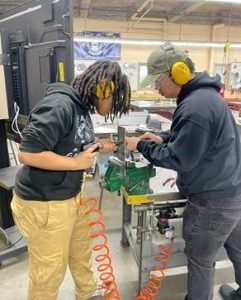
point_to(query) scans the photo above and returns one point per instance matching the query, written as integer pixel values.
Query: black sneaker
(228, 293)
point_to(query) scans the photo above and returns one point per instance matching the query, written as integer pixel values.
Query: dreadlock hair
(85, 84)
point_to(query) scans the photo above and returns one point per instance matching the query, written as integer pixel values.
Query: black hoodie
(203, 145)
(59, 123)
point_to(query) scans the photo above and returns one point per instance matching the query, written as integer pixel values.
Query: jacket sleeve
(188, 145)
(47, 126)
(165, 135)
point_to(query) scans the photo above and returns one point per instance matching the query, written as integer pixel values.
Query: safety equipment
(179, 70)
(167, 59)
(104, 90)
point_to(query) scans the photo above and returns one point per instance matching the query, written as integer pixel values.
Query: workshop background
(126, 31)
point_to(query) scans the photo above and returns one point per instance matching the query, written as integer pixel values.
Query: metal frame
(140, 237)
(18, 244)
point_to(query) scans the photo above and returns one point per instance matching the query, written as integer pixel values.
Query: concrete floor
(13, 273)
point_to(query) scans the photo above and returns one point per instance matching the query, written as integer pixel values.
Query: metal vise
(131, 174)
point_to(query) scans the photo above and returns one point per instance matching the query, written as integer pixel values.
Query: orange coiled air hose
(105, 268)
(152, 288)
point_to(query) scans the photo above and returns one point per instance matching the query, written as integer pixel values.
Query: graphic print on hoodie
(84, 134)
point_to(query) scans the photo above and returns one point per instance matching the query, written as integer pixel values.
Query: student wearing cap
(203, 147)
(56, 148)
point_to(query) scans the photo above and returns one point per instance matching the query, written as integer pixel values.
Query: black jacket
(59, 123)
(203, 144)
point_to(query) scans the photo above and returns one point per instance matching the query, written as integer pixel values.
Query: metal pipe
(168, 205)
(141, 233)
(126, 219)
(138, 19)
(211, 51)
(152, 206)
(139, 226)
(101, 196)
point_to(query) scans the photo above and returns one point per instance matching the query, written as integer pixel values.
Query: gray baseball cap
(161, 60)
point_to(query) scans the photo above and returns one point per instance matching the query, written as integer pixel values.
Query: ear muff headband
(179, 71)
(104, 91)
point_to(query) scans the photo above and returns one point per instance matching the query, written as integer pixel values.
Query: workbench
(154, 105)
(131, 122)
(143, 237)
(164, 108)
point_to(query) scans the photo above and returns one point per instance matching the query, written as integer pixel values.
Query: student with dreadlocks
(46, 202)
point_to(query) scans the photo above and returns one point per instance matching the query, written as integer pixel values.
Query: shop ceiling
(174, 11)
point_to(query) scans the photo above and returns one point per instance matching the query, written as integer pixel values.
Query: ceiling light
(154, 42)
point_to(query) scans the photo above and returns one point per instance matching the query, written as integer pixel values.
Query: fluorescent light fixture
(227, 1)
(21, 13)
(153, 42)
(117, 41)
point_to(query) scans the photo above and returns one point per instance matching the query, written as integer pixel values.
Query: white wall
(169, 31)
(204, 58)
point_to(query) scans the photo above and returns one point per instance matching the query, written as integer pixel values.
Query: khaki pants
(58, 235)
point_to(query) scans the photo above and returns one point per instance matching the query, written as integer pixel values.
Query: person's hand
(107, 145)
(131, 143)
(152, 137)
(87, 159)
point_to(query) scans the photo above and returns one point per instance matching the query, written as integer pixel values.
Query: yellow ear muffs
(180, 73)
(104, 91)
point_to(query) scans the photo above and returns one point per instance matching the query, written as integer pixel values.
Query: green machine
(135, 180)
(131, 174)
